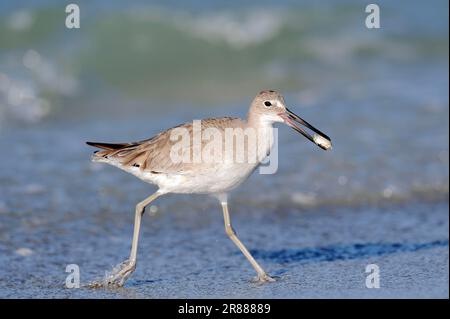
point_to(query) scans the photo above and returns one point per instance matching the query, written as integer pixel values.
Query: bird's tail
(107, 149)
(108, 146)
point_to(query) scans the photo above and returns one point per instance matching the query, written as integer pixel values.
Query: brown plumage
(153, 155)
(151, 160)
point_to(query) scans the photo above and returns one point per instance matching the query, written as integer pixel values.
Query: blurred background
(135, 68)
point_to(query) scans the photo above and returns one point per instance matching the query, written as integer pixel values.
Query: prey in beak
(294, 121)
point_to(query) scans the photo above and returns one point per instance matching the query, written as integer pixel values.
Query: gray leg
(121, 272)
(262, 275)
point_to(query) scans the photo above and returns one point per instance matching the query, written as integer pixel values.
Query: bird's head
(269, 107)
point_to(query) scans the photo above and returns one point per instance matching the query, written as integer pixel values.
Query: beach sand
(319, 253)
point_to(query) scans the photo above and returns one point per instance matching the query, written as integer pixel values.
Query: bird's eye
(267, 103)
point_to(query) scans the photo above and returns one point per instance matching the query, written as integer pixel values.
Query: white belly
(211, 182)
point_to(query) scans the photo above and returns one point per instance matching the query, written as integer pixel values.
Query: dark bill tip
(320, 139)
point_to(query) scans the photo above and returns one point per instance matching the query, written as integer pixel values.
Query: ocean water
(133, 70)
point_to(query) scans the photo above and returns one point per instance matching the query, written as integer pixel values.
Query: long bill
(320, 139)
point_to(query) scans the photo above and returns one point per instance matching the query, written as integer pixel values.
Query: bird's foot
(263, 278)
(117, 277)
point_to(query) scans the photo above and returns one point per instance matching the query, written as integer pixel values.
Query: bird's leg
(122, 271)
(262, 275)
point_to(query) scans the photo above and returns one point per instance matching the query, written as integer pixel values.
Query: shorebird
(152, 161)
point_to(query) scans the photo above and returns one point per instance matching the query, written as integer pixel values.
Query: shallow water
(380, 196)
(186, 254)
(58, 208)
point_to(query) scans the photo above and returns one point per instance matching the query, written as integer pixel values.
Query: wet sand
(316, 234)
(320, 253)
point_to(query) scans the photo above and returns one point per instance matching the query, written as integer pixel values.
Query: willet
(152, 161)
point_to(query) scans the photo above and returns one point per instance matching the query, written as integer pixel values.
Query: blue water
(382, 95)
(135, 68)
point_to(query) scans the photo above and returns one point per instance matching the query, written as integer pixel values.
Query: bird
(171, 161)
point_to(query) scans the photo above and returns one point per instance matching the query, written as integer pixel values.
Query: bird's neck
(264, 133)
(259, 123)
